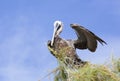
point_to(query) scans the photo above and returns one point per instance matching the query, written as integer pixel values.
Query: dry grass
(89, 72)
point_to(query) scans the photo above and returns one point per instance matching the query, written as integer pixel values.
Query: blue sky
(27, 25)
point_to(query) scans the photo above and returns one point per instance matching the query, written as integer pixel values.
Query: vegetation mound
(89, 72)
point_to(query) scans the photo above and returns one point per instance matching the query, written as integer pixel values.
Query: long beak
(53, 37)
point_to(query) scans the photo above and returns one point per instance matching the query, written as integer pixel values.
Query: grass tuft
(89, 72)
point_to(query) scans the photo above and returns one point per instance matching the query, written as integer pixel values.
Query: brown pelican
(65, 50)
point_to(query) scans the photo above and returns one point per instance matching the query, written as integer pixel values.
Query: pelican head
(58, 26)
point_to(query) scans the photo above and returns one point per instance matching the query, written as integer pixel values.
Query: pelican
(65, 50)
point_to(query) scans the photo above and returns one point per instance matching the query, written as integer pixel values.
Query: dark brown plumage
(86, 39)
(65, 50)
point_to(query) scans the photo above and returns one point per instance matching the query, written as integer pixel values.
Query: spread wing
(86, 39)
